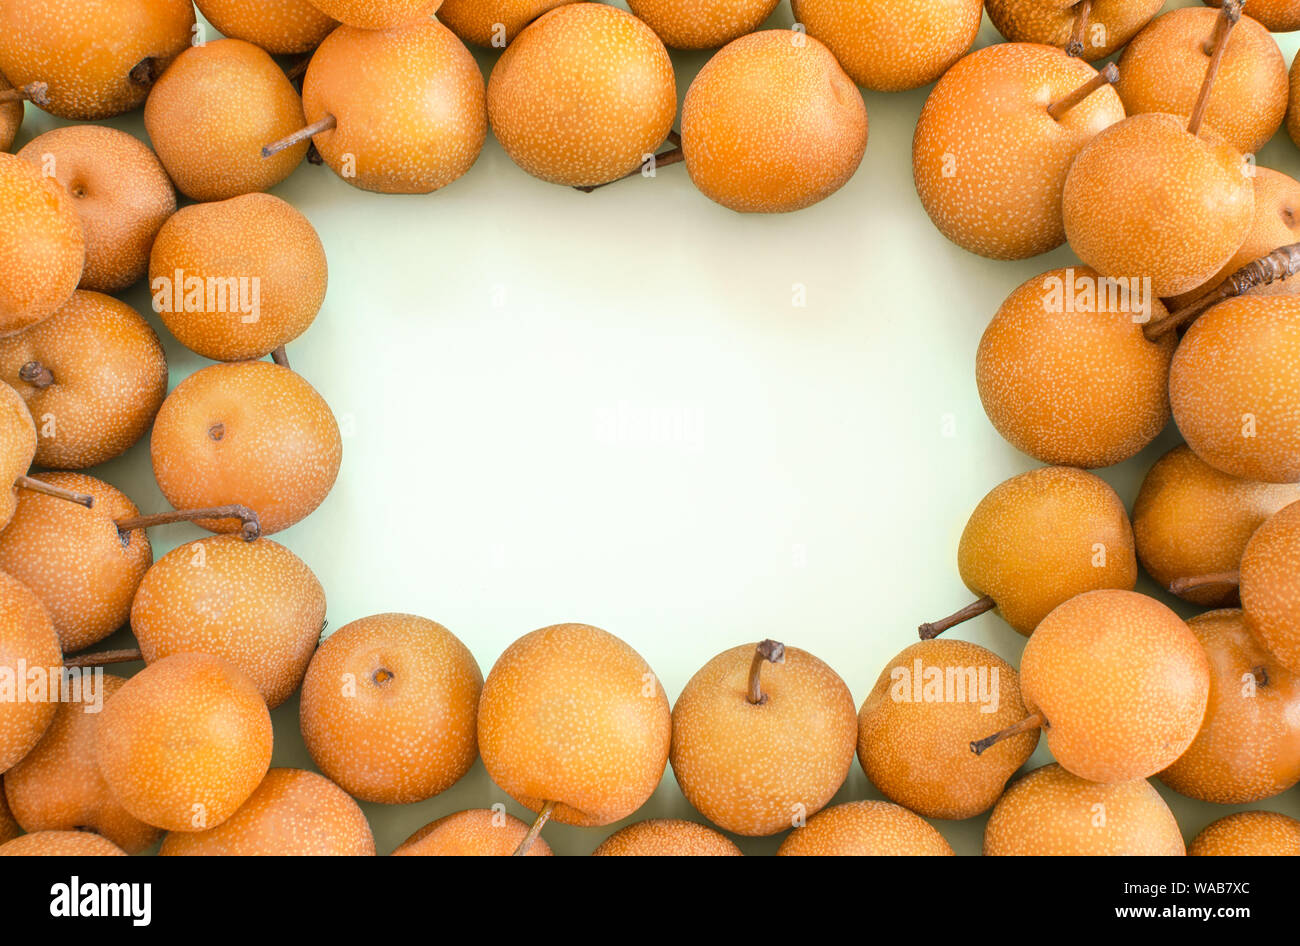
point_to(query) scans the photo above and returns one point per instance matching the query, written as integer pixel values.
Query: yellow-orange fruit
(185, 742)
(42, 245)
(1278, 16)
(98, 57)
(57, 786)
(76, 561)
(1270, 585)
(292, 813)
(94, 373)
(772, 124)
(583, 95)
(889, 49)
(1119, 682)
(1276, 223)
(255, 604)
(26, 637)
(283, 27)
(915, 729)
(865, 829)
(492, 22)
(1234, 389)
(60, 844)
(1248, 747)
(666, 837)
(701, 24)
(1110, 24)
(265, 255)
(1051, 813)
(1191, 520)
(9, 828)
(251, 432)
(378, 14)
(17, 448)
(1163, 68)
(478, 832)
(411, 122)
(1042, 537)
(1144, 198)
(1248, 834)
(757, 768)
(121, 193)
(11, 117)
(1066, 374)
(570, 714)
(988, 160)
(212, 112)
(389, 706)
(1293, 106)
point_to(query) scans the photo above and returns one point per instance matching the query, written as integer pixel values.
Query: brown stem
(768, 651)
(1075, 46)
(1229, 14)
(251, 529)
(299, 67)
(1282, 263)
(36, 374)
(104, 657)
(1261, 675)
(1181, 585)
(58, 492)
(1107, 76)
(280, 356)
(1028, 724)
(302, 134)
(38, 93)
(673, 155)
(535, 831)
(145, 72)
(974, 609)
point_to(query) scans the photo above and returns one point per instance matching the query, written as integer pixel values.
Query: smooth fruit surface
(701, 24)
(1111, 23)
(60, 844)
(42, 245)
(1270, 585)
(493, 23)
(17, 448)
(478, 832)
(27, 639)
(284, 27)
(377, 14)
(1249, 834)
(666, 837)
(865, 829)
(11, 118)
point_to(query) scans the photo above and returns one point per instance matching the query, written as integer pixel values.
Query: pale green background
(494, 353)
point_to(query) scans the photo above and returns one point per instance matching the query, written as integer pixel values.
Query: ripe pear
(255, 604)
(253, 237)
(1013, 105)
(1248, 747)
(185, 742)
(916, 726)
(1191, 520)
(58, 787)
(692, 24)
(887, 48)
(1234, 389)
(1066, 373)
(9, 828)
(1162, 69)
(27, 639)
(666, 837)
(1293, 108)
(1270, 596)
(1107, 25)
(283, 27)
(292, 813)
(60, 844)
(11, 114)
(1278, 16)
(763, 736)
(574, 724)
(572, 118)
(388, 709)
(1052, 813)
(99, 58)
(493, 23)
(94, 372)
(121, 192)
(42, 245)
(1249, 834)
(378, 14)
(1037, 540)
(478, 832)
(211, 112)
(1118, 684)
(865, 829)
(772, 124)
(17, 448)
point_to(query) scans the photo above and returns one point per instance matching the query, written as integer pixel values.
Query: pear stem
(280, 356)
(302, 134)
(932, 630)
(58, 492)
(252, 528)
(104, 657)
(1075, 46)
(535, 830)
(768, 651)
(1229, 14)
(663, 159)
(1180, 585)
(38, 93)
(1028, 724)
(1282, 263)
(1108, 76)
(36, 374)
(299, 67)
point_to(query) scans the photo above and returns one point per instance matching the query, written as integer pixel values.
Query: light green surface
(606, 408)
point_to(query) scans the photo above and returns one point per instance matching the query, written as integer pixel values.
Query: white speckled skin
(18, 437)
(1052, 21)
(1249, 834)
(60, 844)
(284, 27)
(11, 118)
(702, 24)
(666, 837)
(865, 829)
(476, 21)
(1270, 585)
(42, 246)
(378, 14)
(477, 832)
(26, 634)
